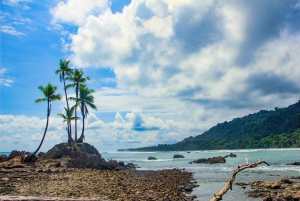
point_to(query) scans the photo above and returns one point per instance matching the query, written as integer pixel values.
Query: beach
(164, 178)
(90, 184)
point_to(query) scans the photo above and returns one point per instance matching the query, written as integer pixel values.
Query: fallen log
(240, 168)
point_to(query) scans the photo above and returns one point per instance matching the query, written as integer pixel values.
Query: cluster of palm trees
(83, 100)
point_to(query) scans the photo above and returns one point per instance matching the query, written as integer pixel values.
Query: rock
(218, 159)
(286, 181)
(71, 151)
(231, 155)
(5, 179)
(294, 163)
(242, 184)
(178, 156)
(152, 158)
(79, 155)
(274, 190)
(30, 158)
(91, 184)
(41, 154)
(275, 185)
(132, 166)
(3, 158)
(16, 153)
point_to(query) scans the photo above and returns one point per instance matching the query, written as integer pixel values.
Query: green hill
(279, 128)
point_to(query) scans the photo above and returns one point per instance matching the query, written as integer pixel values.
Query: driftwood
(240, 168)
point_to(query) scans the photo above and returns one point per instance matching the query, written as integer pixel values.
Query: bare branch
(240, 168)
(247, 161)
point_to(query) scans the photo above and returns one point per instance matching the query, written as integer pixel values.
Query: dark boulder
(218, 159)
(294, 163)
(72, 151)
(152, 158)
(3, 158)
(132, 166)
(231, 155)
(80, 155)
(178, 156)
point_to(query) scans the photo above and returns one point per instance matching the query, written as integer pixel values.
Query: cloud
(14, 2)
(4, 81)
(186, 65)
(195, 51)
(11, 30)
(75, 12)
(28, 131)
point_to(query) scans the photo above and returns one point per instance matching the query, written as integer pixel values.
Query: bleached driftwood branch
(240, 168)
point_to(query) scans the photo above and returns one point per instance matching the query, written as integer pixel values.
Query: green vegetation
(83, 99)
(49, 93)
(78, 80)
(64, 71)
(279, 128)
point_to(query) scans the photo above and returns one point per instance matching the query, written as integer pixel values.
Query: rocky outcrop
(294, 163)
(218, 159)
(79, 155)
(152, 158)
(283, 190)
(231, 155)
(3, 158)
(178, 156)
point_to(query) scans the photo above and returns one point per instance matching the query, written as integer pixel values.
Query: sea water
(213, 177)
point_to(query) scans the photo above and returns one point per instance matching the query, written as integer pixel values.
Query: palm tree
(64, 71)
(78, 80)
(49, 95)
(68, 117)
(85, 99)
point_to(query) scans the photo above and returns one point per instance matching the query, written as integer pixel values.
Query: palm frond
(39, 100)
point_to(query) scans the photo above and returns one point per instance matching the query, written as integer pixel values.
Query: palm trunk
(69, 124)
(80, 139)
(76, 112)
(70, 139)
(48, 115)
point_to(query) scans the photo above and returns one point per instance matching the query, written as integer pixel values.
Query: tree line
(278, 128)
(71, 78)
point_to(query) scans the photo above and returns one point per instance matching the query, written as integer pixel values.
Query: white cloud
(11, 30)
(76, 12)
(185, 65)
(14, 2)
(198, 51)
(4, 81)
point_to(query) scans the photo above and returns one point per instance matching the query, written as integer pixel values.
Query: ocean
(213, 177)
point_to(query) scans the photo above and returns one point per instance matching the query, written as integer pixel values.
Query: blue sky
(163, 70)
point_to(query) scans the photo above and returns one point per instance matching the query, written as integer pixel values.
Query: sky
(162, 70)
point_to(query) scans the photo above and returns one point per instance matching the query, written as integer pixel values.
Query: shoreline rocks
(91, 184)
(152, 158)
(219, 159)
(285, 189)
(178, 156)
(294, 163)
(231, 155)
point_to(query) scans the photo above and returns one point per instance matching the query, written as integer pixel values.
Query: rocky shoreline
(80, 173)
(91, 184)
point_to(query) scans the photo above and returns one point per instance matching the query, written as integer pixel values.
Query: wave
(139, 160)
(130, 152)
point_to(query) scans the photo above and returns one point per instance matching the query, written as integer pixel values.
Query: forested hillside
(279, 128)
